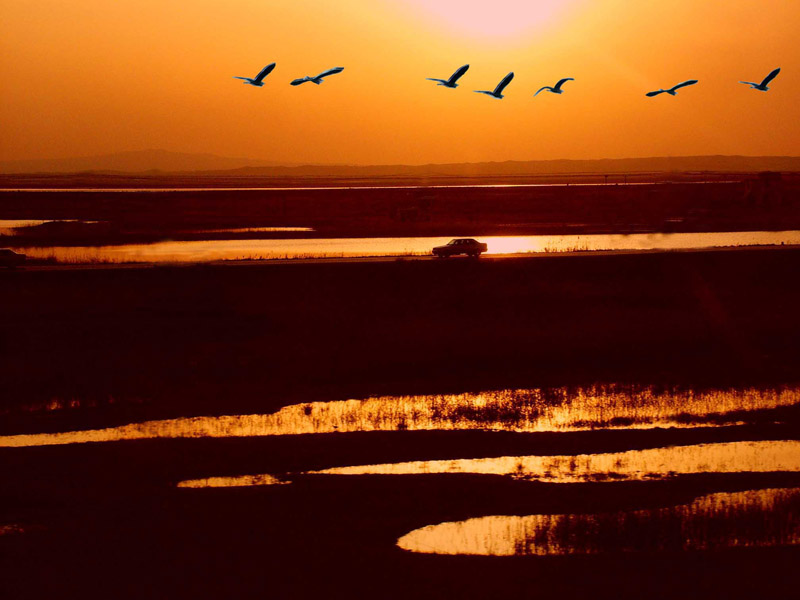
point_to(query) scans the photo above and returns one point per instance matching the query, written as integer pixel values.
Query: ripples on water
(757, 518)
(534, 410)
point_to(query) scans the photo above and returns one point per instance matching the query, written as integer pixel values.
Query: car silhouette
(10, 259)
(467, 246)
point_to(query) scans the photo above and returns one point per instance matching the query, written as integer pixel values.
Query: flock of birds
(258, 80)
(452, 82)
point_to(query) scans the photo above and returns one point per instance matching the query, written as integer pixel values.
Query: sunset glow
(503, 19)
(299, 295)
(89, 77)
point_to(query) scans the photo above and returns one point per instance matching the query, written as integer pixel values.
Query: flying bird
(762, 87)
(498, 91)
(673, 90)
(451, 83)
(318, 78)
(556, 89)
(258, 80)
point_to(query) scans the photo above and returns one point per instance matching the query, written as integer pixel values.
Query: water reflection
(534, 410)
(11, 226)
(203, 251)
(225, 189)
(252, 230)
(632, 465)
(225, 482)
(755, 518)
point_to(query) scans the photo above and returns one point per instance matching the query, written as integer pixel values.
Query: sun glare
(498, 18)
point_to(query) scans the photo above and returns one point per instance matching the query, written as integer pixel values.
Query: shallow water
(632, 465)
(214, 250)
(12, 226)
(240, 481)
(757, 518)
(357, 187)
(253, 230)
(531, 410)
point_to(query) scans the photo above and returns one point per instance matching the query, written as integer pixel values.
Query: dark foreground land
(106, 520)
(156, 342)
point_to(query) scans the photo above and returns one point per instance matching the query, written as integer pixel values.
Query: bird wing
(502, 85)
(563, 81)
(770, 77)
(332, 71)
(484, 92)
(749, 83)
(265, 71)
(457, 75)
(439, 80)
(541, 90)
(684, 84)
(656, 93)
(299, 81)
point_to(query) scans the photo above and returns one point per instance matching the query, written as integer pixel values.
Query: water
(527, 411)
(11, 226)
(753, 519)
(358, 187)
(215, 250)
(253, 230)
(226, 482)
(633, 465)
(756, 518)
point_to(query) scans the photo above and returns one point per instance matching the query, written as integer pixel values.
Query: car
(457, 246)
(10, 259)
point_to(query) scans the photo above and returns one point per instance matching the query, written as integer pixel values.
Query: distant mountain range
(163, 162)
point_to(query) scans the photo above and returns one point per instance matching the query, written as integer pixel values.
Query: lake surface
(216, 250)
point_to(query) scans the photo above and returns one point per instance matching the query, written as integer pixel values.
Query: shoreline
(322, 260)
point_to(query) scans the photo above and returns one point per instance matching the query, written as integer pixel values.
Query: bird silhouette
(498, 91)
(673, 90)
(762, 87)
(556, 89)
(318, 78)
(258, 80)
(451, 83)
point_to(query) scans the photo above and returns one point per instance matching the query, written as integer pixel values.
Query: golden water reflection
(532, 410)
(631, 465)
(259, 249)
(13, 226)
(225, 482)
(757, 518)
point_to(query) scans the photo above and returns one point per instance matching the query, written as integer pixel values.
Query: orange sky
(83, 77)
